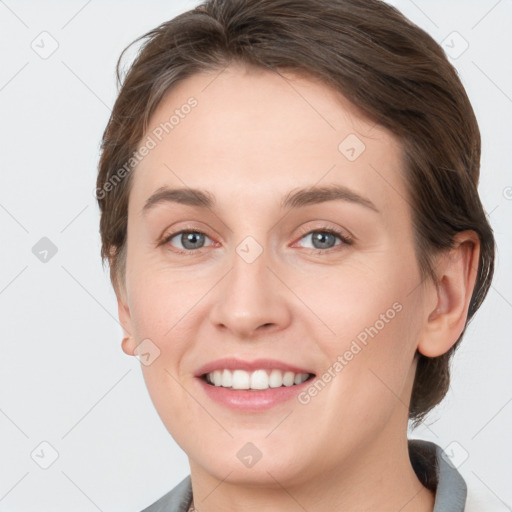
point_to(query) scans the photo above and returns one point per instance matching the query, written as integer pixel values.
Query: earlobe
(128, 343)
(457, 271)
(128, 346)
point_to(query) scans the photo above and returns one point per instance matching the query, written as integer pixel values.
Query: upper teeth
(259, 379)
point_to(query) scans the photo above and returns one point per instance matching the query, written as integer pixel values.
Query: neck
(378, 477)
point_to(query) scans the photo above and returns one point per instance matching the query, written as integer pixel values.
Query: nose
(251, 300)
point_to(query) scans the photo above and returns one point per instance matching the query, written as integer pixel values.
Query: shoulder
(177, 499)
(436, 470)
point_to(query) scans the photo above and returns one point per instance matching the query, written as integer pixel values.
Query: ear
(456, 271)
(128, 344)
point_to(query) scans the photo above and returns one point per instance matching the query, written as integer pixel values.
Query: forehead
(253, 134)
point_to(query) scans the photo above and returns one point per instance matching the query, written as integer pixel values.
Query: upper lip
(232, 363)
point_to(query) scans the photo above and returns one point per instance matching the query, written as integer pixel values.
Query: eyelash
(345, 239)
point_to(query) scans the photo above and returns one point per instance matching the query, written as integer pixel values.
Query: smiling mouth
(256, 380)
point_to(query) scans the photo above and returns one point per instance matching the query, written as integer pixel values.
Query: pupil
(321, 237)
(189, 239)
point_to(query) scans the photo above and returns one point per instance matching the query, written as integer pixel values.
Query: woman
(289, 208)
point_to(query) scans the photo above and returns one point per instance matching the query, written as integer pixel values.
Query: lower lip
(250, 400)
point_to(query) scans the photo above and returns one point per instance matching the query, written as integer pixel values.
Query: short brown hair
(389, 68)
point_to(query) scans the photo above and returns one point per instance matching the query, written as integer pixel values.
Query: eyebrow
(296, 198)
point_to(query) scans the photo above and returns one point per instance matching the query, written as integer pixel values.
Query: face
(267, 280)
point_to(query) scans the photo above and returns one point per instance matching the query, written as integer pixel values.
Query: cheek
(159, 299)
(355, 299)
(372, 318)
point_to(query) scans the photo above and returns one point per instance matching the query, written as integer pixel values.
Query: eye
(190, 240)
(325, 238)
(187, 241)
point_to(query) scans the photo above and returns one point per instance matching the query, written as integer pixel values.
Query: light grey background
(63, 377)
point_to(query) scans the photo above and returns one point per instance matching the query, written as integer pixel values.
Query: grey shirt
(426, 457)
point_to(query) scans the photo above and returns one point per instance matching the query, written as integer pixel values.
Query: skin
(253, 137)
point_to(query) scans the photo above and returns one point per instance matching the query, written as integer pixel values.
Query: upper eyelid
(303, 231)
(346, 238)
